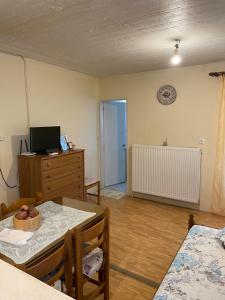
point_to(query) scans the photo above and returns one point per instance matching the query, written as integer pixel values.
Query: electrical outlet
(202, 141)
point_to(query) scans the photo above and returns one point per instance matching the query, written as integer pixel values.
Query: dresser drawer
(53, 176)
(75, 170)
(74, 195)
(57, 162)
(78, 187)
(70, 191)
(72, 179)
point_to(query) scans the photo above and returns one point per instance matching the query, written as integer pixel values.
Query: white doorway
(113, 122)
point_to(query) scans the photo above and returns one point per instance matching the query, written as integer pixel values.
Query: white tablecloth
(56, 221)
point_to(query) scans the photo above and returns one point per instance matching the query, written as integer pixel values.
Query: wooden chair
(86, 241)
(54, 265)
(89, 183)
(4, 210)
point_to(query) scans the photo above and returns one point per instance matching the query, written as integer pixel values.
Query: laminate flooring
(144, 239)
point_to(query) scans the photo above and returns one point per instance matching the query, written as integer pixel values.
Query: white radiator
(170, 172)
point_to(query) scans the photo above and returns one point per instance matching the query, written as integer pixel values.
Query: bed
(198, 270)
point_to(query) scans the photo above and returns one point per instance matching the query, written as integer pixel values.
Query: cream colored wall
(191, 117)
(56, 97)
(69, 99)
(12, 118)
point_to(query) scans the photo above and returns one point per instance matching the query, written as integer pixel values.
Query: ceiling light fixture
(176, 59)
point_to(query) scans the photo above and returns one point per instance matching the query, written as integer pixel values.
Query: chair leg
(101, 275)
(98, 193)
(106, 291)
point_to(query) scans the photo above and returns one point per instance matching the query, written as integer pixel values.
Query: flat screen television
(45, 139)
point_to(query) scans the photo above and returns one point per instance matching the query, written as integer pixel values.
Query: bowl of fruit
(27, 218)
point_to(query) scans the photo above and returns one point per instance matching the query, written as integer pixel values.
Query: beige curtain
(218, 199)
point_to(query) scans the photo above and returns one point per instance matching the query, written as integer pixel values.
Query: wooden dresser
(54, 176)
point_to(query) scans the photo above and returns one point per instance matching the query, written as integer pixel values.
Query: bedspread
(198, 270)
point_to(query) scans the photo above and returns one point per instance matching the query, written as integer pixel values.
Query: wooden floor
(144, 238)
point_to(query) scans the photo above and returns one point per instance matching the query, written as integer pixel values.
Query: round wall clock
(166, 94)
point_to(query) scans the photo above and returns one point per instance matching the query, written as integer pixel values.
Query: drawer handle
(78, 176)
(78, 167)
(49, 188)
(48, 176)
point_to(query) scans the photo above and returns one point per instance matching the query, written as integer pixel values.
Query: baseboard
(166, 200)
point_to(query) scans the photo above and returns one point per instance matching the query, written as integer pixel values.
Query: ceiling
(104, 37)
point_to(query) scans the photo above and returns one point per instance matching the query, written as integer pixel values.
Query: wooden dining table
(77, 204)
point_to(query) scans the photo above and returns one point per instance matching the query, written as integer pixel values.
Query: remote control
(28, 153)
(54, 153)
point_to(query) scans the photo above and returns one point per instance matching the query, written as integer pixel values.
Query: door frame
(101, 123)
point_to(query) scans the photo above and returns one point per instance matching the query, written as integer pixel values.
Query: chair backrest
(4, 210)
(85, 241)
(53, 265)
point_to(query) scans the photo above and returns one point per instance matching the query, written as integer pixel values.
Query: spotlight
(176, 59)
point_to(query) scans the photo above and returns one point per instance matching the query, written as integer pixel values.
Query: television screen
(43, 139)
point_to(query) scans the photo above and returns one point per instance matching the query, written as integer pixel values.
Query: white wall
(56, 97)
(192, 116)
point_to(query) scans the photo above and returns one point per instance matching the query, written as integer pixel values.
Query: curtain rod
(217, 74)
